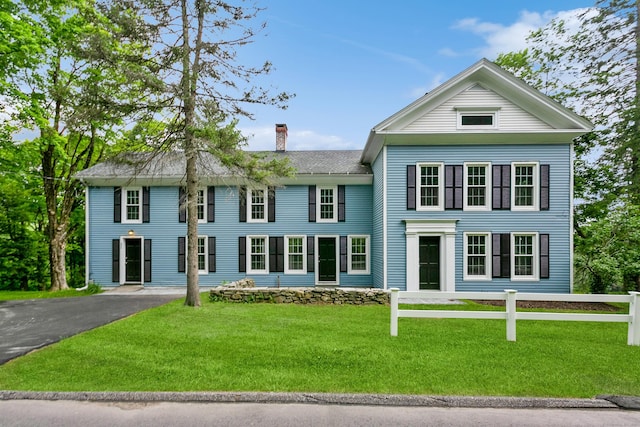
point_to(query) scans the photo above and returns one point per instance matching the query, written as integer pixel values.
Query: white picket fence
(511, 315)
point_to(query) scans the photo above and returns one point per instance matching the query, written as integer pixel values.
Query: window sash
(477, 185)
(430, 186)
(257, 254)
(202, 254)
(358, 254)
(257, 205)
(201, 206)
(295, 254)
(132, 205)
(525, 186)
(524, 256)
(327, 204)
(477, 251)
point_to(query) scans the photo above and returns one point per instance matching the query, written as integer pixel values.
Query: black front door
(430, 262)
(133, 260)
(326, 259)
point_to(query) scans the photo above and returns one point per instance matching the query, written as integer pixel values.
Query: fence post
(634, 322)
(510, 305)
(394, 311)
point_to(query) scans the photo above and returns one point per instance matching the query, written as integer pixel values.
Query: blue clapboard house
(469, 188)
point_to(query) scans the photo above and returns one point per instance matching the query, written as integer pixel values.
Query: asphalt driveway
(26, 325)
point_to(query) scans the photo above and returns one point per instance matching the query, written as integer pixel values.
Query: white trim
(334, 189)
(87, 245)
(204, 202)
(487, 256)
(249, 204)
(384, 219)
(440, 206)
(287, 270)
(536, 187)
(571, 214)
(367, 253)
(123, 205)
(123, 259)
(535, 277)
(493, 112)
(317, 259)
(488, 186)
(266, 254)
(446, 230)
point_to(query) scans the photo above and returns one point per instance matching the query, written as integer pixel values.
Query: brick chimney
(281, 137)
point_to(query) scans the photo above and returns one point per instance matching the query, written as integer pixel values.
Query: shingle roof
(172, 165)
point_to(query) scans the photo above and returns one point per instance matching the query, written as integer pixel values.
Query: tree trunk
(193, 287)
(57, 266)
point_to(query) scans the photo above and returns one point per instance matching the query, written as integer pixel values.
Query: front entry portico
(431, 252)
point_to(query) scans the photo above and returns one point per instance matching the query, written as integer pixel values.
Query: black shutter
(341, 202)
(212, 254)
(147, 260)
(271, 204)
(145, 204)
(311, 262)
(242, 254)
(544, 187)
(501, 255)
(242, 204)
(343, 254)
(544, 256)
(211, 205)
(312, 203)
(411, 187)
(117, 204)
(181, 254)
(276, 254)
(501, 183)
(115, 260)
(182, 205)
(453, 177)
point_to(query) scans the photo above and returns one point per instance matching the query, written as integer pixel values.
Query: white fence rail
(511, 314)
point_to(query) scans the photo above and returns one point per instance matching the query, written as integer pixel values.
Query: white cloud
(264, 139)
(501, 38)
(436, 81)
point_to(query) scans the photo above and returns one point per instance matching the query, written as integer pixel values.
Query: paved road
(18, 413)
(26, 325)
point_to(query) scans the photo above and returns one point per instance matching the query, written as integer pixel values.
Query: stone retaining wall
(300, 295)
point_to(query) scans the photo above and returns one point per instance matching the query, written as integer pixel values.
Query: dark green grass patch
(345, 349)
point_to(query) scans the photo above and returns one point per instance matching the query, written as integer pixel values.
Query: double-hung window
(295, 256)
(477, 249)
(358, 255)
(203, 268)
(257, 248)
(257, 205)
(430, 186)
(477, 180)
(525, 186)
(327, 204)
(132, 205)
(524, 256)
(202, 205)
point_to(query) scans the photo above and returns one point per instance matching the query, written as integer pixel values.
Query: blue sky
(354, 63)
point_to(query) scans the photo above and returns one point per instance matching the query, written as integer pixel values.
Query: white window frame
(487, 185)
(203, 204)
(535, 276)
(334, 189)
(487, 256)
(125, 205)
(287, 269)
(367, 254)
(440, 206)
(536, 186)
(493, 112)
(250, 254)
(265, 193)
(206, 254)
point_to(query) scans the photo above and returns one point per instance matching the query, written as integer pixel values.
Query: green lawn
(345, 349)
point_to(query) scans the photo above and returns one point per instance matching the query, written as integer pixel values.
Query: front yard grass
(18, 295)
(342, 349)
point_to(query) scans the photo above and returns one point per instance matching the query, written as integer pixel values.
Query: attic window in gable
(477, 118)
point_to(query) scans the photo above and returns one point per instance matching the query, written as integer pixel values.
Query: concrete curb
(603, 402)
